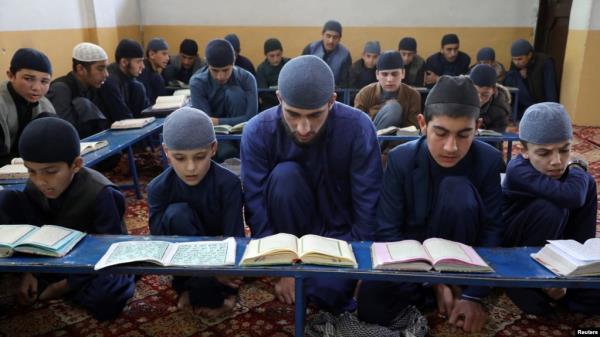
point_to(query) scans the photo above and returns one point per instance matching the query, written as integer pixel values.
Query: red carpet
(153, 311)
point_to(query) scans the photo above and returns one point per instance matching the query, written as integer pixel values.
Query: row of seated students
(95, 93)
(312, 165)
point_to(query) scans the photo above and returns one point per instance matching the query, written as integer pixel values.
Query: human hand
(468, 315)
(523, 72)
(27, 289)
(445, 296)
(285, 290)
(230, 281)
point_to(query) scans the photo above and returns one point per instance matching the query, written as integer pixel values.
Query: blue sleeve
(550, 86)
(110, 207)
(232, 219)
(199, 95)
(568, 192)
(390, 210)
(115, 106)
(248, 85)
(255, 172)
(491, 195)
(306, 50)
(157, 204)
(366, 178)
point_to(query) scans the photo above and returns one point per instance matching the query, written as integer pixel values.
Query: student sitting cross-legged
(196, 197)
(61, 191)
(548, 195)
(447, 185)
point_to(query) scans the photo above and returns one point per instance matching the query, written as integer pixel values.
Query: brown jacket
(369, 99)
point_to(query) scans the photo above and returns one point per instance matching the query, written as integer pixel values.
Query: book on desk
(48, 240)
(15, 170)
(165, 105)
(435, 253)
(286, 248)
(132, 123)
(164, 253)
(570, 258)
(87, 147)
(224, 129)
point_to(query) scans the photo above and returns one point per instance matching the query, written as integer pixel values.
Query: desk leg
(134, 174)
(300, 308)
(509, 152)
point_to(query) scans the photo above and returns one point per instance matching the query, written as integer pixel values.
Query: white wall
(386, 13)
(585, 14)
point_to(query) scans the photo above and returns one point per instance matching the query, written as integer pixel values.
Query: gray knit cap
(372, 47)
(188, 128)
(306, 82)
(545, 123)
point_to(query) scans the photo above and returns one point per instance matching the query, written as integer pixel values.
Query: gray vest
(335, 60)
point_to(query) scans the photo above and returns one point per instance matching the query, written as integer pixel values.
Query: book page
(590, 251)
(86, 147)
(14, 171)
(276, 242)
(132, 123)
(319, 244)
(400, 251)
(441, 249)
(203, 253)
(48, 236)
(130, 251)
(10, 234)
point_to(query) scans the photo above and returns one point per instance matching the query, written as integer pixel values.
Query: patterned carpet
(153, 311)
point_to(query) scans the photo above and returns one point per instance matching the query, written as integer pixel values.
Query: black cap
(486, 54)
(520, 47)
(29, 58)
(272, 44)
(129, 49)
(483, 75)
(453, 95)
(188, 47)
(219, 53)
(390, 59)
(408, 43)
(333, 26)
(235, 42)
(450, 39)
(49, 140)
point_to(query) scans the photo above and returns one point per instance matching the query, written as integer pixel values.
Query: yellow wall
(58, 44)
(579, 91)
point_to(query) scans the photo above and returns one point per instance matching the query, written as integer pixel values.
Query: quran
(132, 123)
(163, 253)
(87, 147)
(434, 253)
(570, 258)
(396, 131)
(49, 240)
(286, 248)
(228, 129)
(15, 170)
(169, 102)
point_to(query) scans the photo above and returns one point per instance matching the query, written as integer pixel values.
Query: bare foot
(55, 290)
(555, 293)
(184, 301)
(228, 304)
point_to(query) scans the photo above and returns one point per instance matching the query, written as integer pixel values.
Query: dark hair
(452, 110)
(524, 144)
(86, 65)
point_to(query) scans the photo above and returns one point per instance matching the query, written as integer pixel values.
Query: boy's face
(304, 125)
(95, 75)
(222, 74)
(370, 60)
(187, 61)
(52, 179)
(450, 51)
(407, 56)
(331, 39)
(485, 94)
(548, 159)
(191, 166)
(521, 61)
(274, 57)
(30, 84)
(448, 139)
(132, 67)
(159, 58)
(390, 79)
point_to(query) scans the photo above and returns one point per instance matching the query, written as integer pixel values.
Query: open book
(183, 254)
(87, 147)
(228, 129)
(396, 131)
(49, 240)
(132, 123)
(14, 170)
(434, 253)
(285, 248)
(488, 133)
(571, 258)
(169, 102)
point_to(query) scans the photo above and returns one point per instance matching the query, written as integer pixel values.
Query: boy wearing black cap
(549, 195)
(196, 197)
(445, 184)
(449, 61)
(311, 166)
(240, 60)
(533, 74)
(332, 52)
(157, 58)
(75, 96)
(22, 98)
(123, 96)
(389, 102)
(60, 190)
(414, 65)
(494, 99)
(487, 56)
(224, 92)
(362, 72)
(268, 72)
(184, 65)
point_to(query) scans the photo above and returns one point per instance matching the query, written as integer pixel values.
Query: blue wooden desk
(513, 268)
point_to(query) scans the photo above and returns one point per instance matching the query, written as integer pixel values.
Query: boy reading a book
(61, 191)
(447, 185)
(196, 197)
(549, 195)
(311, 166)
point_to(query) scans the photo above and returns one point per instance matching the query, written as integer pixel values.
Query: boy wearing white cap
(75, 96)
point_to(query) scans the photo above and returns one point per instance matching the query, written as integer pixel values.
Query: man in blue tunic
(61, 191)
(548, 195)
(448, 61)
(224, 92)
(311, 166)
(196, 197)
(445, 184)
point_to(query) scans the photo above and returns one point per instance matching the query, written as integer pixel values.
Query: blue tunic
(153, 83)
(440, 66)
(122, 96)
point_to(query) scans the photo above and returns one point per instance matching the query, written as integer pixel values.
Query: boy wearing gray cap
(445, 184)
(196, 197)
(448, 61)
(533, 74)
(157, 58)
(60, 190)
(267, 74)
(311, 166)
(362, 71)
(389, 102)
(224, 92)
(414, 65)
(332, 52)
(494, 99)
(487, 55)
(22, 98)
(75, 96)
(549, 195)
